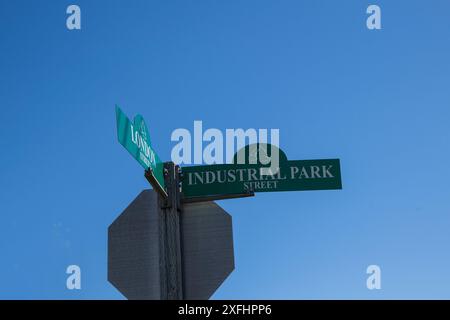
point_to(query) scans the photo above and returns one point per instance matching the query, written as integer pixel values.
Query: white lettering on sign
(253, 180)
(147, 155)
(313, 172)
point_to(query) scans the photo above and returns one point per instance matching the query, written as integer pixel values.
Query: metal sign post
(170, 241)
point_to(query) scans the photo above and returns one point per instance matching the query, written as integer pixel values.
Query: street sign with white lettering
(134, 136)
(219, 179)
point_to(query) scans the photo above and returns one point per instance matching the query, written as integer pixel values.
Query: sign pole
(171, 272)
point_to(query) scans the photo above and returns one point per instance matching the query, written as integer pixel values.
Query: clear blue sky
(378, 100)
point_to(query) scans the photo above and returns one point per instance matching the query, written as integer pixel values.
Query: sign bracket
(218, 197)
(154, 183)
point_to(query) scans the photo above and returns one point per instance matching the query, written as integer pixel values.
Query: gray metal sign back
(146, 261)
(208, 254)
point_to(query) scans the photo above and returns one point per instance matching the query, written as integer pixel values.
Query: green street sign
(134, 136)
(298, 175)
